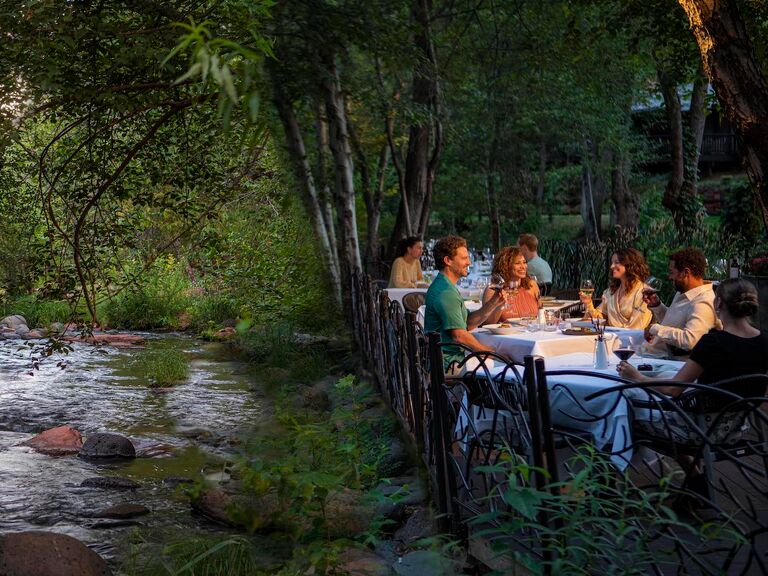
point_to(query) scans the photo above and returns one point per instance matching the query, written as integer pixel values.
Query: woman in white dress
(622, 303)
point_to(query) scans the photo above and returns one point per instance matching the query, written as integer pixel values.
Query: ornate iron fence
(543, 494)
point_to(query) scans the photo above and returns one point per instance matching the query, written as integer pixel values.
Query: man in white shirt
(537, 266)
(676, 329)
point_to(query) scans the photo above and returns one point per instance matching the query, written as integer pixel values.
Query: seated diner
(622, 303)
(520, 292)
(406, 269)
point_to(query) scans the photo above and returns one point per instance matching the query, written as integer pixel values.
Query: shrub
(39, 312)
(163, 367)
(156, 301)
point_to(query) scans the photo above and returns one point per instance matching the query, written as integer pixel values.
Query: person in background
(537, 266)
(676, 329)
(445, 311)
(406, 269)
(510, 264)
(622, 303)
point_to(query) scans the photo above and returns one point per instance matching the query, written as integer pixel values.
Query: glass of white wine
(587, 287)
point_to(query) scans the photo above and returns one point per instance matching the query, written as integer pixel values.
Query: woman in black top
(739, 349)
(736, 350)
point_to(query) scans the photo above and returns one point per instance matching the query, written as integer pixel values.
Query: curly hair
(503, 263)
(691, 258)
(739, 297)
(446, 247)
(636, 268)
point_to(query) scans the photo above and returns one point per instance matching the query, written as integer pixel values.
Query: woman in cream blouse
(406, 269)
(622, 304)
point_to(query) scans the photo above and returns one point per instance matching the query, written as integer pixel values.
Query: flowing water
(185, 431)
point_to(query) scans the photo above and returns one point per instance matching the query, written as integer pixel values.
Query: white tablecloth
(569, 409)
(518, 345)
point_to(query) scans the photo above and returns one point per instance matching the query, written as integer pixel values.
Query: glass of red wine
(624, 354)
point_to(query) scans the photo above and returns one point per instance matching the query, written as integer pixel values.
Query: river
(186, 431)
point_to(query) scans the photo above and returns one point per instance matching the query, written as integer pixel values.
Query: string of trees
(389, 114)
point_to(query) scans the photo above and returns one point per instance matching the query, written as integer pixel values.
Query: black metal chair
(413, 301)
(709, 423)
(481, 424)
(545, 288)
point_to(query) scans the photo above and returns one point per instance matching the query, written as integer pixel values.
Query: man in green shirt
(445, 311)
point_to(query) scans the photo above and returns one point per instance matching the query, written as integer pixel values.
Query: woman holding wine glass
(622, 302)
(511, 272)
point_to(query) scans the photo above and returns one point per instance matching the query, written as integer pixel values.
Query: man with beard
(676, 329)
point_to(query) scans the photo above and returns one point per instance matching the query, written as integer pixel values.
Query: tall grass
(163, 367)
(38, 312)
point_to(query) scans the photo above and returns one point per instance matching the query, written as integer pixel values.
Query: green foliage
(38, 313)
(740, 213)
(157, 299)
(163, 367)
(595, 519)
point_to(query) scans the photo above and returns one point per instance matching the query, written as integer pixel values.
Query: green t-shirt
(445, 311)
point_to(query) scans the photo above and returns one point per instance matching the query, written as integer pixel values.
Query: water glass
(565, 320)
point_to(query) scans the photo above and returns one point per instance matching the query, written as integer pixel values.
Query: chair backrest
(413, 300)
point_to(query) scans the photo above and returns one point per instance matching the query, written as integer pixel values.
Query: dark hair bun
(744, 304)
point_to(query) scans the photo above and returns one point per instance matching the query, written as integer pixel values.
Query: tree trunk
(339, 141)
(324, 190)
(730, 64)
(681, 195)
(588, 212)
(298, 154)
(626, 204)
(540, 185)
(424, 139)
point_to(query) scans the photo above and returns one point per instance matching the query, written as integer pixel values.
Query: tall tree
(739, 82)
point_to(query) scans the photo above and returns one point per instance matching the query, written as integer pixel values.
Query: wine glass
(587, 287)
(652, 285)
(496, 282)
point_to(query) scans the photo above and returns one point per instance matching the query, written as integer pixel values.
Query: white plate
(502, 330)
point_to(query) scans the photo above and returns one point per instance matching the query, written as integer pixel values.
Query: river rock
(419, 525)
(22, 330)
(173, 481)
(116, 340)
(59, 441)
(110, 483)
(213, 504)
(123, 511)
(361, 562)
(34, 334)
(107, 445)
(14, 322)
(346, 514)
(57, 327)
(48, 554)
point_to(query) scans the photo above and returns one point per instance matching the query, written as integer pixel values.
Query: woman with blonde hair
(622, 303)
(510, 264)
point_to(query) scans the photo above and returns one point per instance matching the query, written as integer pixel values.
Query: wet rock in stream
(59, 441)
(123, 511)
(107, 445)
(48, 554)
(110, 483)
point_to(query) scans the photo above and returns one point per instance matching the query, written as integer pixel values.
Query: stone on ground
(14, 321)
(48, 554)
(110, 483)
(59, 441)
(123, 511)
(107, 445)
(360, 562)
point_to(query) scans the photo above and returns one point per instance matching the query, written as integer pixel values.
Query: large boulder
(48, 554)
(348, 513)
(59, 441)
(107, 445)
(14, 322)
(361, 562)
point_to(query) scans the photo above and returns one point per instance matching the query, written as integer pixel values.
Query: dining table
(606, 417)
